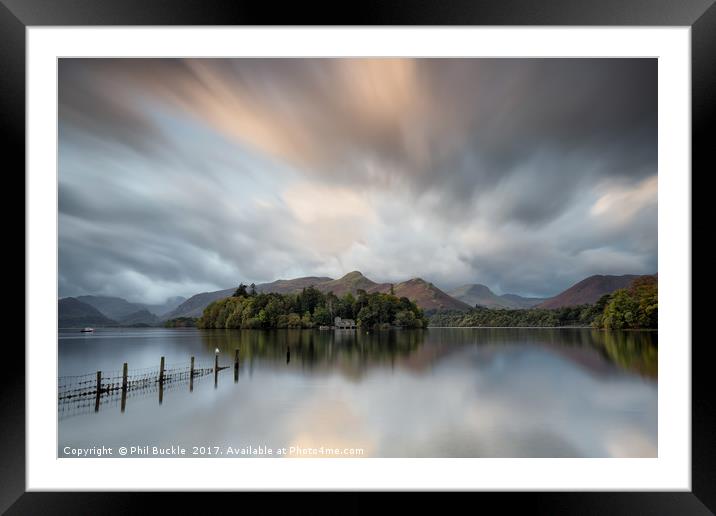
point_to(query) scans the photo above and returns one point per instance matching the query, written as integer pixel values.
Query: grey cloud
(513, 143)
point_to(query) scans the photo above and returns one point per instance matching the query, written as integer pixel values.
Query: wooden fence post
(124, 377)
(99, 391)
(161, 380)
(216, 369)
(124, 386)
(191, 375)
(236, 366)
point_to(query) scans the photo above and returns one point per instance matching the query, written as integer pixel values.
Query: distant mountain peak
(415, 281)
(477, 294)
(73, 313)
(427, 296)
(479, 287)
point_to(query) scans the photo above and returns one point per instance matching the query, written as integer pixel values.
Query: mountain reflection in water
(354, 352)
(441, 392)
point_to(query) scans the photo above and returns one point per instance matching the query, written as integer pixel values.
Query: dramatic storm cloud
(181, 176)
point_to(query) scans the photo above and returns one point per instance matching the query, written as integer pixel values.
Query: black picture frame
(17, 15)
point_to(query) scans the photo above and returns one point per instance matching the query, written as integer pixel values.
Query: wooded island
(310, 308)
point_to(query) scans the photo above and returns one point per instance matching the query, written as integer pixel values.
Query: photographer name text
(209, 451)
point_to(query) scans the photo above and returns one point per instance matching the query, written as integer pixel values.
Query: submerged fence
(95, 389)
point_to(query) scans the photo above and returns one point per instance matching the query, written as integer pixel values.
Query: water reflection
(355, 352)
(434, 393)
(635, 351)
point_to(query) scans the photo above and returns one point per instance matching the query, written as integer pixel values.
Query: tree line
(180, 322)
(582, 315)
(631, 308)
(250, 309)
(635, 307)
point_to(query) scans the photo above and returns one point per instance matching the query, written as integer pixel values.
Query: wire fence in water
(87, 385)
(76, 406)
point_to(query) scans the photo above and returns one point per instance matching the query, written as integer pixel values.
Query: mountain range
(426, 295)
(111, 311)
(74, 312)
(588, 291)
(477, 294)
(117, 308)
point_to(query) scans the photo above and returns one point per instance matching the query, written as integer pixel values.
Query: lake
(440, 392)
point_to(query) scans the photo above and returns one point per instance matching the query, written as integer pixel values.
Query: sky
(184, 176)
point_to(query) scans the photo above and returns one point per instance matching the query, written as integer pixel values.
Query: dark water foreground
(453, 392)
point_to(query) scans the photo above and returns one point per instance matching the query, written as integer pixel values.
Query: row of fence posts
(125, 371)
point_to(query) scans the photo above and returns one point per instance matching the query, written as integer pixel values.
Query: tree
(311, 297)
(306, 321)
(347, 307)
(367, 317)
(294, 320)
(405, 319)
(273, 311)
(332, 305)
(645, 291)
(621, 312)
(252, 292)
(321, 316)
(240, 291)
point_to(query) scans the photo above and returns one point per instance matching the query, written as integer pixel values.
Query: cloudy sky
(182, 176)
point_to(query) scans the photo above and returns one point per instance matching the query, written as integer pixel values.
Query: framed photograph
(421, 251)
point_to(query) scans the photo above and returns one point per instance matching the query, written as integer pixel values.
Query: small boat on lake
(87, 330)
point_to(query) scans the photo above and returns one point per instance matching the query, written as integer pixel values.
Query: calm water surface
(454, 392)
